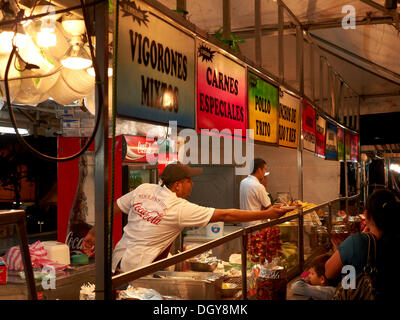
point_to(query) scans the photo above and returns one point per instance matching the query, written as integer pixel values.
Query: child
(316, 286)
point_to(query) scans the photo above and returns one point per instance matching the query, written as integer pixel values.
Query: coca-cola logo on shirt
(152, 216)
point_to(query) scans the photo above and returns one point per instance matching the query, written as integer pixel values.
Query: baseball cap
(178, 171)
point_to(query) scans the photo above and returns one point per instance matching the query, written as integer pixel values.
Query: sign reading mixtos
(288, 120)
(155, 67)
(308, 126)
(331, 149)
(320, 136)
(221, 91)
(263, 109)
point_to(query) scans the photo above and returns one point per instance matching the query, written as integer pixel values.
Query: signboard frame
(145, 113)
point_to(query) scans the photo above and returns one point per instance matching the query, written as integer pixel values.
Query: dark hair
(258, 163)
(383, 208)
(319, 264)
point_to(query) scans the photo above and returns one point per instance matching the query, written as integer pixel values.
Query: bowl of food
(203, 266)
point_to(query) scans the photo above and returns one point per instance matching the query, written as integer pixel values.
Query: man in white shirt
(157, 214)
(253, 195)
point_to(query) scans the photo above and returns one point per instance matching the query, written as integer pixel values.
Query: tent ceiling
(377, 43)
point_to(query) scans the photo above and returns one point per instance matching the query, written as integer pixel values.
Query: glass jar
(271, 284)
(322, 235)
(339, 232)
(354, 224)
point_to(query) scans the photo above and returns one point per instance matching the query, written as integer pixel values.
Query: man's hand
(88, 243)
(276, 212)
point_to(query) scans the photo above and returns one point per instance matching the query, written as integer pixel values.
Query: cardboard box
(3, 271)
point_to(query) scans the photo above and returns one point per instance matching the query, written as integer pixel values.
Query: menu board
(347, 146)
(308, 126)
(155, 76)
(354, 148)
(263, 109)
(340, 143)
(288, 120)
(331, 148)
(320, 136)
(221, 92)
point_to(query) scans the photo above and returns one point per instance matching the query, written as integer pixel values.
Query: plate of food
(287, 207)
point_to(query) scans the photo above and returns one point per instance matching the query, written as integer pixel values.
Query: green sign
(263, 109)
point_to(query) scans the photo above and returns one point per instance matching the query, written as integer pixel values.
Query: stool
(18, 217)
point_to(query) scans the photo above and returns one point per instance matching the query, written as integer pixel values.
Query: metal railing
(124, 278)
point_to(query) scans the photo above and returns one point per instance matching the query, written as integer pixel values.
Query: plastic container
(57, 251)
(215, 230)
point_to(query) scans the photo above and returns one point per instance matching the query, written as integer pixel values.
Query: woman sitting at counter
(382, 220)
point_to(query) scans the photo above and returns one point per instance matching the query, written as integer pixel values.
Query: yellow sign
(289, 109)
(263, 109)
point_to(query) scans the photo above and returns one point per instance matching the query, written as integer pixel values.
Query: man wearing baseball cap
(157, 214)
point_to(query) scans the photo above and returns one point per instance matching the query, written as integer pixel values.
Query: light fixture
(21, 131)
(46, 37)
(76, 56)
(395, 168)
(92, 73)
(9, 37)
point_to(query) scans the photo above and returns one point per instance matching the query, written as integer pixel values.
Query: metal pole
(102, 219)
(359, 115)
(257, 30)
(330, 91)
(312, 72)
(280, 43)
(346, 185)
(181, 7)
(301, 239)
(244, 266)
(321, 83)
(300, 78)
(300, 59)
(226, 12)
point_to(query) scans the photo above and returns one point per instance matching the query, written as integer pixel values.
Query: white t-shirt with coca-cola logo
(156, 216)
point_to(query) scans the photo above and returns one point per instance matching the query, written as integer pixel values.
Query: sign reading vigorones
(288, 120)
(308, 126)
(155, 76)
(221, 91)
(340, 143)
(263, 109)
(331, 149)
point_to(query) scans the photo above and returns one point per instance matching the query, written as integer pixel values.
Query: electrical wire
(100, 102)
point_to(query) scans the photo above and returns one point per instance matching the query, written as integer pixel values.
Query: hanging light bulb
(9, 37)
(92, 73)
(76, 57)
(47, 37)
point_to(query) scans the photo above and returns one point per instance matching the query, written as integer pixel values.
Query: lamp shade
(76, 58)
